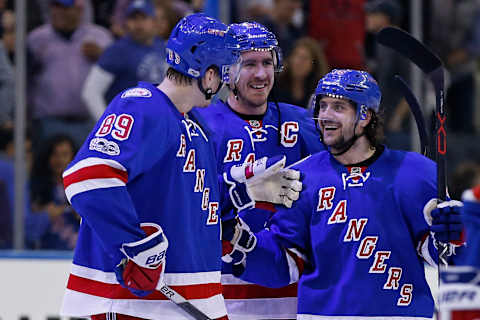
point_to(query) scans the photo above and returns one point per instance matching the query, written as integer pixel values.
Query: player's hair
(178, 77)
(374, 130)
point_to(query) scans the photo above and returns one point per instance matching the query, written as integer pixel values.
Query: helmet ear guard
(363, 112)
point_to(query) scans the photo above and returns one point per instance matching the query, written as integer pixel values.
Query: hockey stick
(417, 114)
(183, 303)
(430, 64)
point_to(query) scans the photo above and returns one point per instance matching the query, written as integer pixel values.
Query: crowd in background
(81, 53)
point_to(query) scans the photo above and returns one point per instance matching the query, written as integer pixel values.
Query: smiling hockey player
(247, 127)
(358, 236)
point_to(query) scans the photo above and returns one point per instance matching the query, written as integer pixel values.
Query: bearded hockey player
(247, 127)
(146, 185)
(357, 238)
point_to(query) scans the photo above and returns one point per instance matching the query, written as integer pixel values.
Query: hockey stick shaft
(417, 114)
(430, 64)
(183, 303)
(299, 161)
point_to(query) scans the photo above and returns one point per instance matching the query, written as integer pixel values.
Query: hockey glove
(445, 221)
(238, 240)
(263, 180)
(471, 219)
(144, 265)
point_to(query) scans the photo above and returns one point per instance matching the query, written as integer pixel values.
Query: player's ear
(211, 79)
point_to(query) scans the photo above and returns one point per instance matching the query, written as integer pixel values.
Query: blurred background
(62, 61)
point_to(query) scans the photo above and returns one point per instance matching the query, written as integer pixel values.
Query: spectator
(303, 68)
(7, 97)
(280, 22)
(384, 65)
(35, 222)
(166, 17)
(8, 32)
(117, 26)
(250, 10)
(138, 56)
(340, 27)
(455, 36)
(177, 8)
(61, 54)
(48, 195)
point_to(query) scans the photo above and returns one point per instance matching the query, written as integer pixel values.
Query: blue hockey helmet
(199, 42)
(357, 86)
(254, 36)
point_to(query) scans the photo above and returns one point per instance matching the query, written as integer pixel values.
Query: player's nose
(261, 72)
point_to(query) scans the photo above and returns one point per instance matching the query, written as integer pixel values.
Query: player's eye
(268, 62)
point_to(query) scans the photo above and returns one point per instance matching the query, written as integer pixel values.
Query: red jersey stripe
(99, 171)
(253, 291)
(116, 291)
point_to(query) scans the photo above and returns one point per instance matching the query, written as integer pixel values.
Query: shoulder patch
(137, 92)
(105, 146)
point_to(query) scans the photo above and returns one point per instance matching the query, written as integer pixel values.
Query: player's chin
(259, 98)
(204, 105)
(331, 141)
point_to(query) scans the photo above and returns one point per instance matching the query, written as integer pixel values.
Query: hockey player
(357, 237)
(146, 186)
(459, 293)
(247, 127)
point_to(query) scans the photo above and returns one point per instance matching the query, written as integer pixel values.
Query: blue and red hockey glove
(144, 263)
(263, 180)
(471, 219)
(445, 221)
(237, 241)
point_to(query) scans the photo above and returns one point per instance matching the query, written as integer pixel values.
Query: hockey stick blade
(183, 303)
(417, 113)
(401, 42)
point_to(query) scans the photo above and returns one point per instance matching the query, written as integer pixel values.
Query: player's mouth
(329, 126)
(258, 86)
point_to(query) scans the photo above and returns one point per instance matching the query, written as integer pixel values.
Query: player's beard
(251, 103)
(341, 142)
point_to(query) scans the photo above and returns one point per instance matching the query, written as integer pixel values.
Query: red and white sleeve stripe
(296, 263)
(93, 173)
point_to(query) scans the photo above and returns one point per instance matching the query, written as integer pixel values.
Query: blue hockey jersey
(289, 131)
(145, 162)
(360, 230)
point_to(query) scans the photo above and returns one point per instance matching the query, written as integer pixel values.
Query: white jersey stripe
(172, 279)
(91, 184)
(87, 305)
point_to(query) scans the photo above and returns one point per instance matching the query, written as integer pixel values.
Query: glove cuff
(239, 193)
(148, 252)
